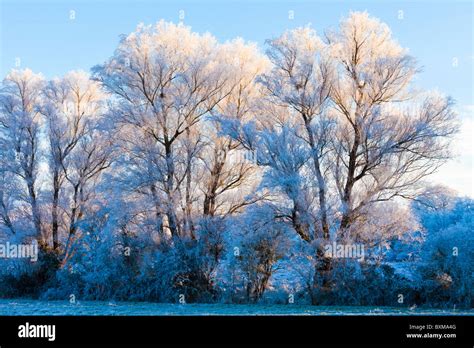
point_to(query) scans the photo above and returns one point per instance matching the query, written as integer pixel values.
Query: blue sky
(42, 36)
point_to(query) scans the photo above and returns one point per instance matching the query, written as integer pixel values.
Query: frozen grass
(33, 307)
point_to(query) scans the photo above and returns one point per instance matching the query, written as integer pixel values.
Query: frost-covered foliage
(447, 267)
(188, 170)
(257, 244)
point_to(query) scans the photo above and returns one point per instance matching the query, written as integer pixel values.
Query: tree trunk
(54, 209)
(34, 208)
(189, 228)
(320, 179)
(169, 188)
(5, 217)
(300, 226)
(321, 195)
(209, 207)
(158, 214)
(347, 196)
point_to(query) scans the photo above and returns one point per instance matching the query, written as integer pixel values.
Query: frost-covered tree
(300, 81)
(71, 107)
(388, 137)
(257, 241)
(164, 78)
(20, 144)
(351, 96)
(229, 173)
(447, 254)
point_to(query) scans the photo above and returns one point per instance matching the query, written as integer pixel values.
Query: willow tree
(71, 107)
(230, 176)
(300, 82)
(165, 78)
(20, 124)
(389, 137)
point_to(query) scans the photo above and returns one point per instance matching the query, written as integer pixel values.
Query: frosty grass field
(33, 307)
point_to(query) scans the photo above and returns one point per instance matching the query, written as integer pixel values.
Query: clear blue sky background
(438, 33)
